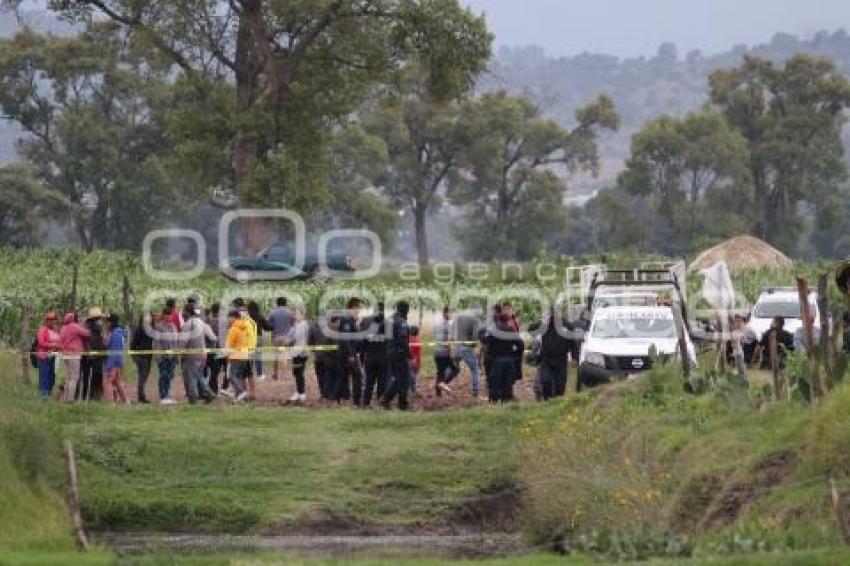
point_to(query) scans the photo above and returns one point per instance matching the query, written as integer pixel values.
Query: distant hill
(642, 88)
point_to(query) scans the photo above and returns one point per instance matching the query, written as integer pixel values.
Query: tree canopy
(511, 176)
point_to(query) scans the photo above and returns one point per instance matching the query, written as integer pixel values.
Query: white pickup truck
(618, 343)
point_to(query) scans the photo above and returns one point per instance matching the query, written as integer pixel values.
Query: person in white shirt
(447, 369)
(297, 338)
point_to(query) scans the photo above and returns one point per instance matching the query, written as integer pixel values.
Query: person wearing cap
(48, 344)
(113, 383)
(91, 366)
(72, 342)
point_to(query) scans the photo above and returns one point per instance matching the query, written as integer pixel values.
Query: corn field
(42, 278)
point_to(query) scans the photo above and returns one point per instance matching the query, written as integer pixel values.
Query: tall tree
(358, 159)
(508, 179)
(93, 137)
(297, 66)
(791, 119)
(683, 162)
(423, 147)
(24, 204)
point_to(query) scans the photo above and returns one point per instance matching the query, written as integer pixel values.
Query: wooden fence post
(74, 277)
(721, 346)
(127, 303)
(26, 343)
(809, 334)
(825, 343)
(74, 497)
(774, 363)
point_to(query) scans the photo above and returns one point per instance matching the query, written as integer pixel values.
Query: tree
(93, 137)
(791, 119)
(358, 159)
(423, 147)
(23, 203)
(508, 179)
(296, 68)
(682, 162)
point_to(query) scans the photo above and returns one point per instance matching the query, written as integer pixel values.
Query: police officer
(399, 359)
(375, 355)
(350, 379)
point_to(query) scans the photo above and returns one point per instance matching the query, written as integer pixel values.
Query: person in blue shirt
(113, 382)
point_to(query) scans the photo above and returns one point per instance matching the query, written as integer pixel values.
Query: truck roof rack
(777, 288)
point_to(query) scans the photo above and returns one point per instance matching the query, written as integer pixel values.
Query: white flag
(717, 287)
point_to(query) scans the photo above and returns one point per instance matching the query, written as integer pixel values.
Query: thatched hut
(740, 254)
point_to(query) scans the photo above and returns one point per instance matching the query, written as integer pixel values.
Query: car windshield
(634, 327)
(624, 300)
(277, 250)
(785, 309)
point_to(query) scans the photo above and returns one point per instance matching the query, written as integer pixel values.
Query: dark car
(277, 262)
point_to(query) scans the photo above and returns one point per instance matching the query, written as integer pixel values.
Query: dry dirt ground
(273, 393)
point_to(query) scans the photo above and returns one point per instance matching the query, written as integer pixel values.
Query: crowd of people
(376, 358)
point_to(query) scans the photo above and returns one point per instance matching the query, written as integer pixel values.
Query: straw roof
(740, 254)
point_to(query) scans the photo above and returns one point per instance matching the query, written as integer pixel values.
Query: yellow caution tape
(204, 351)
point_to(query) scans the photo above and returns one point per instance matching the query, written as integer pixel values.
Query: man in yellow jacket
(239, 348)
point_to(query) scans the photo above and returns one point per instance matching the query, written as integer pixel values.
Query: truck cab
(784, 302)
(625, 341)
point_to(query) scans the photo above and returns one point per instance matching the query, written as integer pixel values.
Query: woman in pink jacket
(72, 337)
(48, 344)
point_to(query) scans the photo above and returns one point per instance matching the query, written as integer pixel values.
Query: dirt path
(474, 545)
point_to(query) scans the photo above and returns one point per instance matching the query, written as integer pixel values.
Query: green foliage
(508, 184)
(829, 434)
(297, 69)
(24, 202)
(33, 514)
(640, 545)
(791, 119)
(422, 141)
(615, 469)
(690, 166)
(96, 142)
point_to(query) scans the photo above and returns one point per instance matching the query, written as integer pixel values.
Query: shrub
(592, 469)
(828, 443)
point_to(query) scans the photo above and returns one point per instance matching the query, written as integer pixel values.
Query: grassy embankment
(642, 470)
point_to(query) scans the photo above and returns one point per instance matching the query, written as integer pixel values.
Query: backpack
(34, 352)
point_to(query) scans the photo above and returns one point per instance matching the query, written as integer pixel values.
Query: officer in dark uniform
(350, 379)
(375, 355)
(399, 359)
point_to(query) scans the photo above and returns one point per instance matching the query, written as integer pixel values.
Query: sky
(628, 28)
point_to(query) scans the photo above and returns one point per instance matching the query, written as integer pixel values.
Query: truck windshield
(770, 309)
(637, 327)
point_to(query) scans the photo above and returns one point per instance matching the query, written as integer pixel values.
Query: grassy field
(625, 472)
(248, 470)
